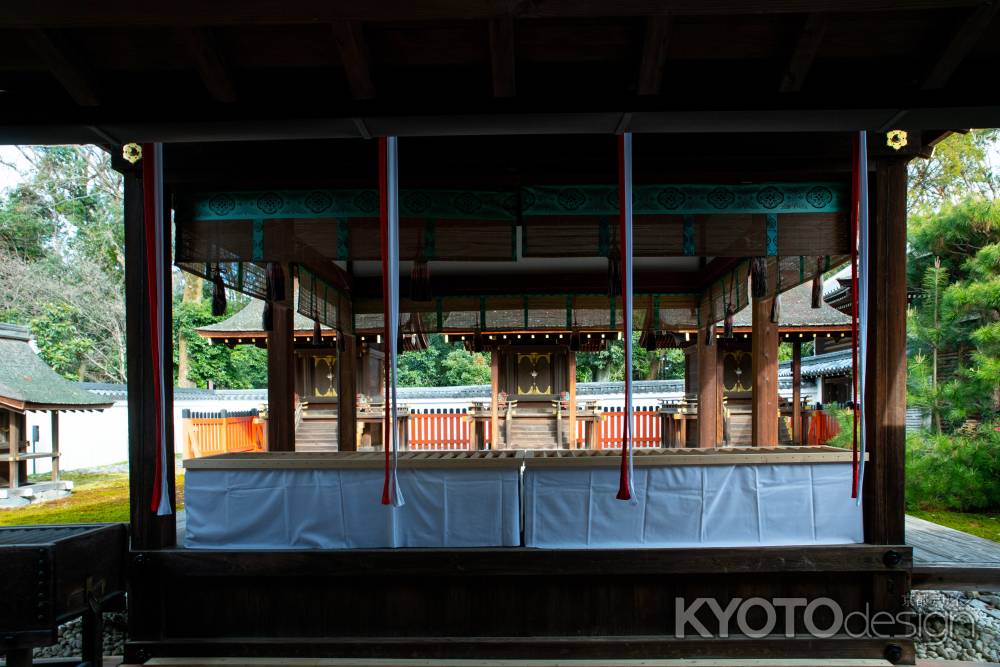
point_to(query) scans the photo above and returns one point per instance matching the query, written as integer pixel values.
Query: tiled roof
(829, 364)
(797, 311)
(26, 381)
(249, 320)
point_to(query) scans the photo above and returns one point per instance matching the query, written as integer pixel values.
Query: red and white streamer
(389, 218)
(860, 308)
(156, 277)
(626, 488)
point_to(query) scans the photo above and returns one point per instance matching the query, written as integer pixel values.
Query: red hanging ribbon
(149, 213)
(855, 212)
(383, 194)
(623, 480)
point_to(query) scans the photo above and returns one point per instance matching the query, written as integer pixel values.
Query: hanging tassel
(614, 270)
(275, 282)
(317, 333)
(817, 289)
(218, 294)
(758, 277)
(776, 309)
(420, 281)
(727, 325)
(709, 334)
(267, 321)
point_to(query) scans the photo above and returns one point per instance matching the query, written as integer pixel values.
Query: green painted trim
(771, 234)
(688, 235)
(569, 312)
(430, 238)
(686, 198)
(257, 241)
(343, 240)
(482, 313)
(355, 203)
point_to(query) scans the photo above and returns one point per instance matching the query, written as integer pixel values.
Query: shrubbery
(954, 472)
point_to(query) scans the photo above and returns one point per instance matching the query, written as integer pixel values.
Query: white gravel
(958, 625)
(70, 642)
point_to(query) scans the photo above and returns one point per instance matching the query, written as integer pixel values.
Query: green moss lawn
(982, 525)
(96, 498)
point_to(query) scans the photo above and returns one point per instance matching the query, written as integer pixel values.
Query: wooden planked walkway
(949, 559)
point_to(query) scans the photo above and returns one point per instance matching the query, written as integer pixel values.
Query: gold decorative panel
(325, 376)
(534, 373)
(737, 371)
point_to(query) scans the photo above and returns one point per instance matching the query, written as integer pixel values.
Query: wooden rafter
(654, 54)
(502, 56)
(354, 56)
(805, 52)
(962, 42)
(67, 70)
(56, 13)
(211, 66)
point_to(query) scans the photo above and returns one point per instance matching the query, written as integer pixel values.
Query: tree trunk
(193, 290)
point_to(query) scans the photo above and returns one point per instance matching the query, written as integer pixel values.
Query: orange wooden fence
(822, 427)
(208, 433)
(438, 429)
(645, 428)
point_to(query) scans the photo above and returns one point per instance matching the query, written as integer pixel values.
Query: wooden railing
(208, 433)
(645, 428)
(439, 429)
(821, 427)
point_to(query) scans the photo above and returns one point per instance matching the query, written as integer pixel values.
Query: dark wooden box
(51, 574)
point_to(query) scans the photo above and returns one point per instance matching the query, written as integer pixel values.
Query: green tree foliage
(608, 365)
(443, 365)
(954, 276)
(959, 169)
(242, 367)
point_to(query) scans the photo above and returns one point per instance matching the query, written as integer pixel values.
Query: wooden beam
(354, 57)
(55, 445)
(148, 531)
(281, 375)
(805, 52)
(885, 382)
(347, 373)
(764, 357)
(654, 54)
(571, 408)
(503, 56)
(72, 13)
(347, 393)
(494, 398)
(962, 42)
(65, 68)
(708, 391)
(797, 392)
(203, 49)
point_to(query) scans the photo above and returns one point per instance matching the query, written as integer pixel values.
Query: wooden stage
(944, 558)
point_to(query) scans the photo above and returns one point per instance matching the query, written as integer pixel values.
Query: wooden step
(512, 662)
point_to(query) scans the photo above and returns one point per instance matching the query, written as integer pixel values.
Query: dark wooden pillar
(797, 391)
(55, 445)
(347, 390)
(494, 398)
(15, 435)
(708, 391)
(764, 355)
(885, 382)
(571, 408)
(148, 530)
(281, 378)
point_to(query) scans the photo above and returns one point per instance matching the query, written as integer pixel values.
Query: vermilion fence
(645, 428)
(438, 429)
(208, 433)
(822, 427)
